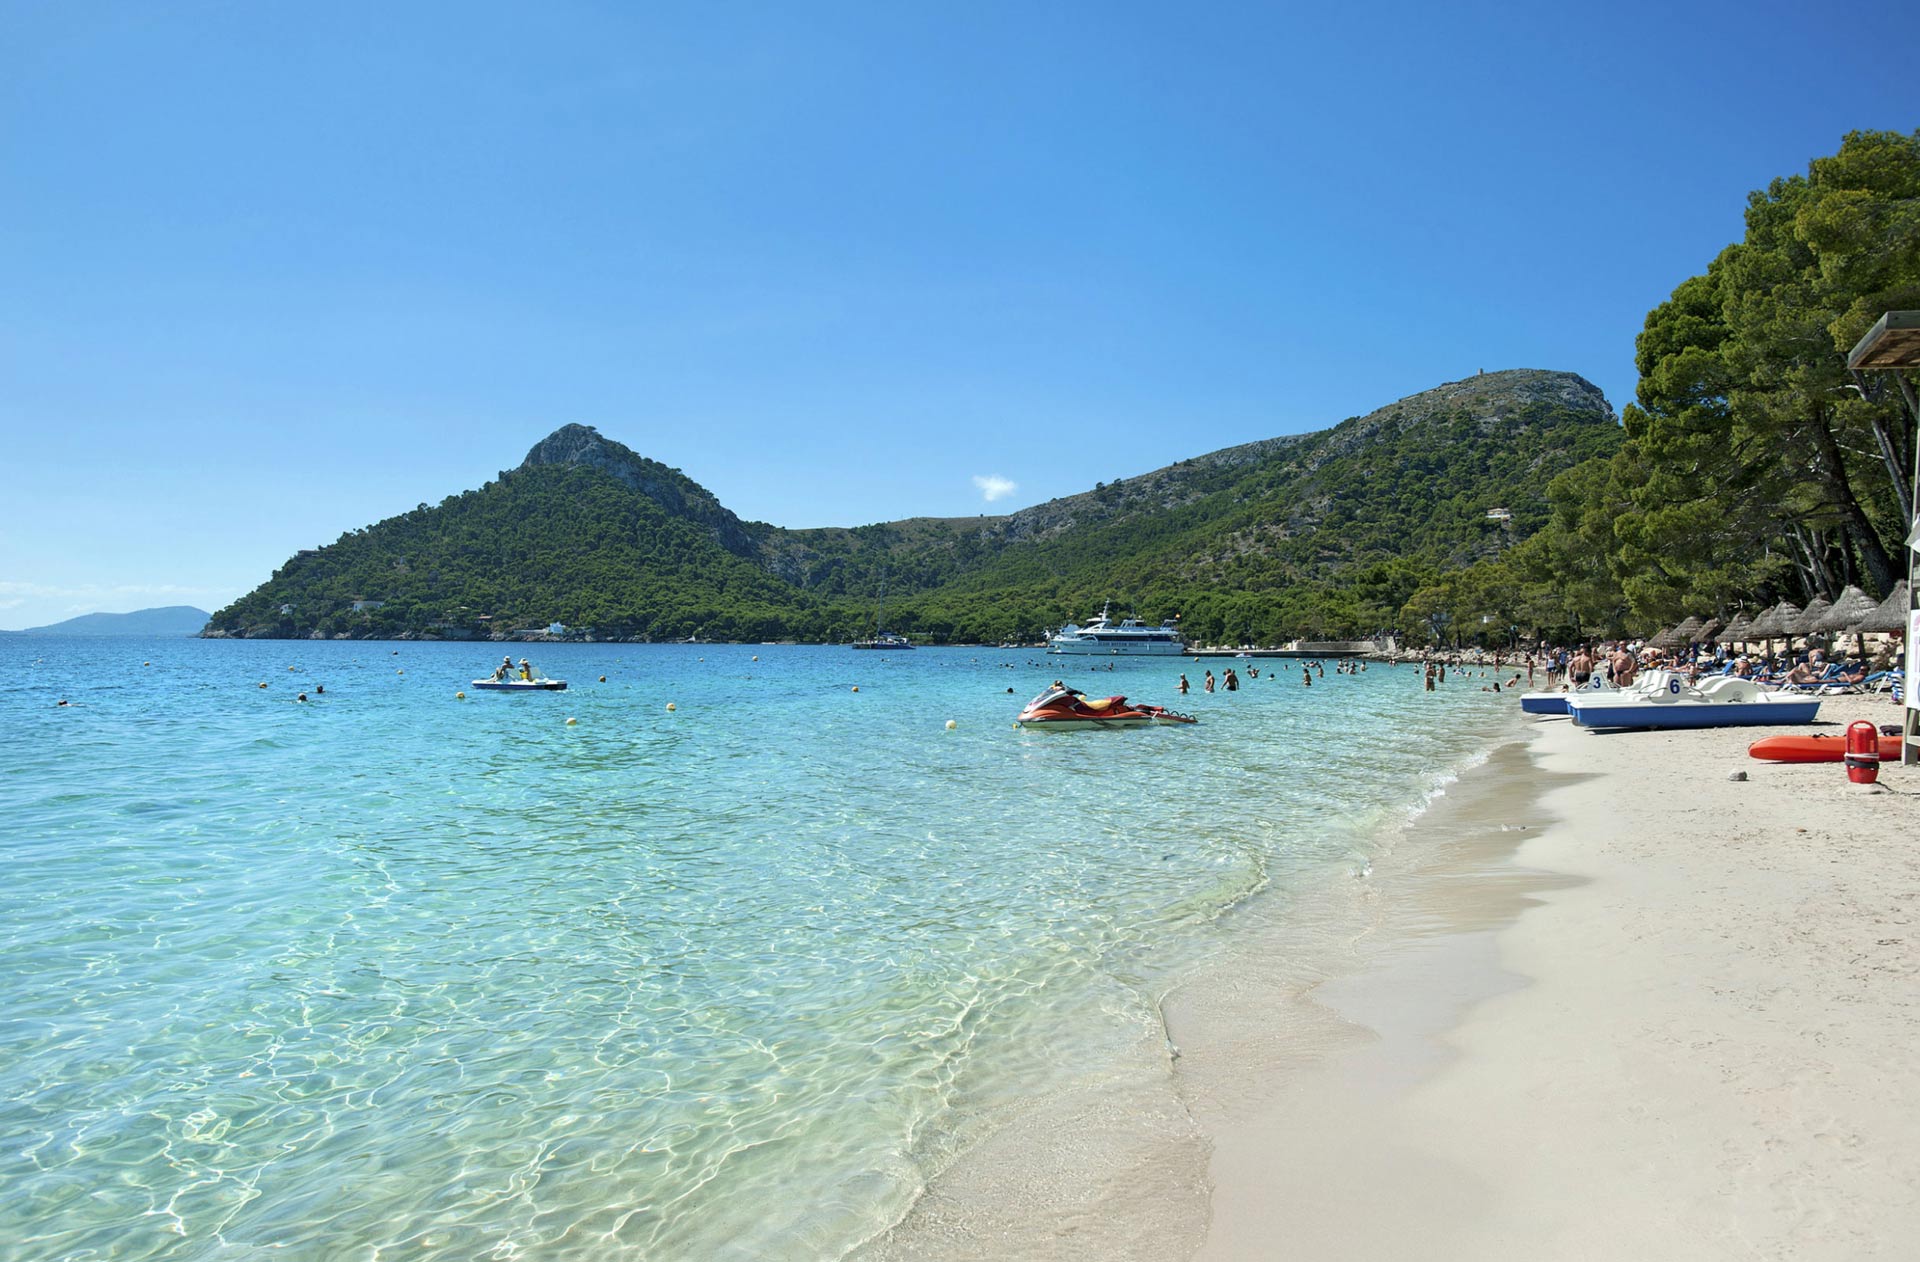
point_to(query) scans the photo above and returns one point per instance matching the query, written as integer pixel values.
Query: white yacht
(1129, 637)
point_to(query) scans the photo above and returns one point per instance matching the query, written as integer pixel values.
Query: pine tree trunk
(1834, 473)
(1896, 471)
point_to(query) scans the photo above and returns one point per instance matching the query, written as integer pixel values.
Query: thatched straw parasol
(1684, 633)
(1809, 620)
(1706, 632)
(1773, 624)
(1737, 631)
(1664, 640)
(1852, 606)
(1846, 614)
(1891, 614)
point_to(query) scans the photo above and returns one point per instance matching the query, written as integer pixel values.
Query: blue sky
(273, 272)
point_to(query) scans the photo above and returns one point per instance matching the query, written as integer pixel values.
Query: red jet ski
(1062, 709)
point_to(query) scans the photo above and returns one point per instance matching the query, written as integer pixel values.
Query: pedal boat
(1672, 702)
(1063, 710)
(1552, 703)
(521, 685)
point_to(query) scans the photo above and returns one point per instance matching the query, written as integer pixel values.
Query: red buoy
(1863, 753)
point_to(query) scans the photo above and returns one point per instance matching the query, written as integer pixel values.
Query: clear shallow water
(394, 975)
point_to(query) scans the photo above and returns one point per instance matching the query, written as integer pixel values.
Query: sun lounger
(1885, 680)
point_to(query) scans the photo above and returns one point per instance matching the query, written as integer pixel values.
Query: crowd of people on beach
(1619, 662)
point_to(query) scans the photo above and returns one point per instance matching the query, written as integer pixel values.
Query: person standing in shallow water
(1183, 685)
(1306, 676)
(1208, 685)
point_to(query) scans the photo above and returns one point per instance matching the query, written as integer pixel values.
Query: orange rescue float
(1824, 748)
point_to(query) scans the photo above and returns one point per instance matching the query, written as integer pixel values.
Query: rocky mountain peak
(674, 491)
(579, 444)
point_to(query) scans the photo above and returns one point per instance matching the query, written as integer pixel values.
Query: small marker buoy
(263, 685)
(603, 679)
(289, 668)
(572, 722)
(756, 657)
(459, 696)
(856, 687)
(146, 663)
(399, 672)
(951, 725)
(670, 705)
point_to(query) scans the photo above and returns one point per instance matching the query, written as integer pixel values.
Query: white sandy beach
(1698, 1044)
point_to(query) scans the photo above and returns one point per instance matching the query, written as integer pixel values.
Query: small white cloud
(994, 487)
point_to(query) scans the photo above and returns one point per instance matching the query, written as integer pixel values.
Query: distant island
(169, 620)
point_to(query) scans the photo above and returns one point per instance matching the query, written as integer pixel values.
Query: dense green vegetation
(542, 544)
(1755, 468)
(1320, 534)
(1752, 467)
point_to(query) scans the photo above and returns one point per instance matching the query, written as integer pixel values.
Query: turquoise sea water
(393, 975)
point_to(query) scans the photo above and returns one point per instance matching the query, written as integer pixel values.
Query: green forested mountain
(1324, 533)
